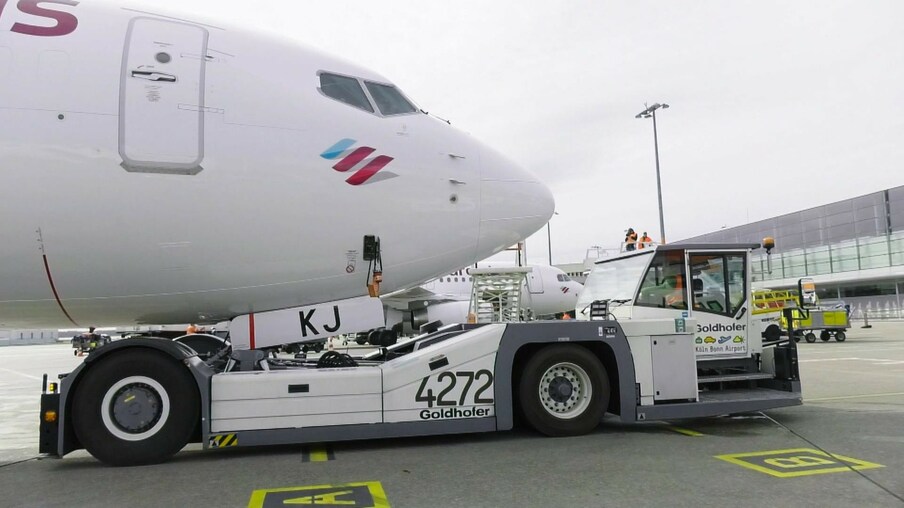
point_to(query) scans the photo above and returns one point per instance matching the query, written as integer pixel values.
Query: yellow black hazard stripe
(223, 441)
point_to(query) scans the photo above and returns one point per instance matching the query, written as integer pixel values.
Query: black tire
(158, 386)
(840, 336)
(574, 410)
(810, 337)
(825, 336)
(317, 347)
(361, 339)
(388, 338)
(772, 333)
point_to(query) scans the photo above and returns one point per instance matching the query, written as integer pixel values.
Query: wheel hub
(136, 408)
(560, 389)
(565, 390)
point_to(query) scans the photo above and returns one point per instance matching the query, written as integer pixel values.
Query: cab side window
(718, 282)
(664, 285)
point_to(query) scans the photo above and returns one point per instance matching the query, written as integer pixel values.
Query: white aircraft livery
(546, 291)
(158, 169)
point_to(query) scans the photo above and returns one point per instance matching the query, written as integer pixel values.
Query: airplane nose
(514, 203)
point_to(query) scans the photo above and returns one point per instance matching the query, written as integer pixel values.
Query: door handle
(154, 76)
(743, 311)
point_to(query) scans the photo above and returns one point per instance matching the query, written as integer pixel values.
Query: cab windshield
(614, 280)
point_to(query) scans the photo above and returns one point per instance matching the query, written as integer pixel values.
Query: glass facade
(858, 240)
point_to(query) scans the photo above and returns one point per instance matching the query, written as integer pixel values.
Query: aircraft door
(535, 282)
(161, 104)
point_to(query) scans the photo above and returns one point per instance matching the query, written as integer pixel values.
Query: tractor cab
(707, 282)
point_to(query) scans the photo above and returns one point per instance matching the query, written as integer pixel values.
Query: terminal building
(28, 337)
(853, 249)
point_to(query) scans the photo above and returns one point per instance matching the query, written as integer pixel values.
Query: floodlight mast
(549, 238)
(650, 111)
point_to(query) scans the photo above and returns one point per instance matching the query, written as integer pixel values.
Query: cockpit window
(389, 100)
(563, 278)
(345, 89)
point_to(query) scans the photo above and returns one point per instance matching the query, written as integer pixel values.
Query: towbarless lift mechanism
(139, 401)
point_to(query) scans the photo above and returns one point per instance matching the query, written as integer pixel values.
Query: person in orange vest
(645, 241)
(630, 239)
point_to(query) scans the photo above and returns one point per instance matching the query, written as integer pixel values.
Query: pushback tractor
(665, 335)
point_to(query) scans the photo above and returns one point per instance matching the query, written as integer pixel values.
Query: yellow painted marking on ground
(795, 462)
(868, 395)
(353, 495)
(316, 454)
(319, 455)
(686, 432)
(331, 498)
(129, 398)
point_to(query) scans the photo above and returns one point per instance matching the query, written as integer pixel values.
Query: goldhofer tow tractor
(739, 355)
(139, 401)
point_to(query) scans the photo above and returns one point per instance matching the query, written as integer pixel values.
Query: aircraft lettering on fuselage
(66, 23)
(307, 325)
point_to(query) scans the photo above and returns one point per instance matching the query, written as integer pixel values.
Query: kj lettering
(307, 323)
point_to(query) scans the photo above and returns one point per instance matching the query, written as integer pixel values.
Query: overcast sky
(776, 106)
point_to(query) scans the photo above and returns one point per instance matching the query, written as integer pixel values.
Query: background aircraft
(547, 292)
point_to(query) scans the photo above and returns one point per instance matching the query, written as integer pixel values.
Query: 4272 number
(481, 380)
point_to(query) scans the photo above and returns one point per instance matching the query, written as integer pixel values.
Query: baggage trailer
(830, 323)
(140, 400)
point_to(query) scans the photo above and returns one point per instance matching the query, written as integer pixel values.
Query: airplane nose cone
(514, 203)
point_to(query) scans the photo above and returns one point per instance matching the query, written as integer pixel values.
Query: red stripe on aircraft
(55, 294)
(353, 159)
(364, 174)
(251, 330)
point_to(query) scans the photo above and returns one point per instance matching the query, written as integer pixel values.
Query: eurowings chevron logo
(350, 158)
(564, 290)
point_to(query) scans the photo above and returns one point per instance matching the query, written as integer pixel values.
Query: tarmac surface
(843, 447)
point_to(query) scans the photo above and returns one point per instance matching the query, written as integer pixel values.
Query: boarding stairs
(497, 294)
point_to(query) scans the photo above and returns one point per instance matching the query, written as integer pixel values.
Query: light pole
(549, 237)
(647, 113)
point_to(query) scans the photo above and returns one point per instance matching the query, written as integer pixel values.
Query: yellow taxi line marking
(686, 432)
(868, 395)
(319, 455)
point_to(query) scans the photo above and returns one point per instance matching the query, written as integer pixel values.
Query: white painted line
(875, 361)
(869, 395)
(850, 359)
(22, 374)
